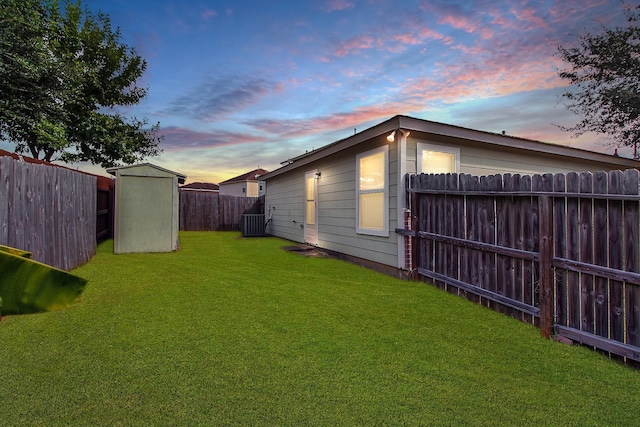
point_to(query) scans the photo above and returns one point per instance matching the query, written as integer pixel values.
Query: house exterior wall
(479, 153)
(232, 189)
(336, 206)
(482, 159)
(252, 189)
(241, 189)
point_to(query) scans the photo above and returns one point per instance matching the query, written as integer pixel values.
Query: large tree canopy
(604, 72)
(64, 75)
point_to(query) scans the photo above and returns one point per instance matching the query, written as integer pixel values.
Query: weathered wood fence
(559, 251)
(49, 211)
(209, 211)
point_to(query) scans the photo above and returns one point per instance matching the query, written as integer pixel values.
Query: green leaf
(27, 286)
(14, 251)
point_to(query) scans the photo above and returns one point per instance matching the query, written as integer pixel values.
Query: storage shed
(146, 208)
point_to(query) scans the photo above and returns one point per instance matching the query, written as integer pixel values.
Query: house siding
(477, 159)
(336, 206)
(284, 204)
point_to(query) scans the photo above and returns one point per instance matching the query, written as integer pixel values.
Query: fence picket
(616, 249)
(573, 233)
(632, 222)
(465, 253)
(560, 248)
(586, 253)
(600, 251)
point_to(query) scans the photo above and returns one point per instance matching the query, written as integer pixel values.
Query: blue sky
(238, 85)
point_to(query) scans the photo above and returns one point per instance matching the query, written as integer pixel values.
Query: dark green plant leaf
(27, 286)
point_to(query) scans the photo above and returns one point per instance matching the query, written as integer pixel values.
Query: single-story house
(349, 196)
(248, 184)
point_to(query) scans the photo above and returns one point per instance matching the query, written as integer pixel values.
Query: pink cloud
(481, 79)
(180, 138)
(354, 45)
(208, 13)
(407, 39)
(337, 5)
(427, 33)
(459, 22)
(311, 126)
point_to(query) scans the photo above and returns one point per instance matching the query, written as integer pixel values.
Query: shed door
(144, 220)
(311, 208)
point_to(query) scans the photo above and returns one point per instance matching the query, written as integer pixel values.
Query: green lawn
(233, 331)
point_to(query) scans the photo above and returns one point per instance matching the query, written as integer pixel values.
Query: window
(372, 187)
(310, 209)
(438, 158)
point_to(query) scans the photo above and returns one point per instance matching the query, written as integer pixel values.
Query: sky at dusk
(238, 85)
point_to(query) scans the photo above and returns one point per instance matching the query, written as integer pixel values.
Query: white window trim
(369, 231)
(421, 146)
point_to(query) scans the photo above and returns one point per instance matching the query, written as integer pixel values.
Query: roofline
(235, 181)
(441, 129)
(343, 144)
(245, 177)
(181, 178)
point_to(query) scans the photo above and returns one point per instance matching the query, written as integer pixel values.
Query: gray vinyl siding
(336, 206)
(482, 159)
(476, 161)
(284, 204)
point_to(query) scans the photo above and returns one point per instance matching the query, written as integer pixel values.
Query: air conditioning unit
(252, 225)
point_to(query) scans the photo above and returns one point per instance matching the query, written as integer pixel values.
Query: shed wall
(146, 214)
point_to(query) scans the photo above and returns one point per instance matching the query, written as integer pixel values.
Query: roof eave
(441, 129)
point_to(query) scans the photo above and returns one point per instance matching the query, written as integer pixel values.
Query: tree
(604, 72)
(64, 77)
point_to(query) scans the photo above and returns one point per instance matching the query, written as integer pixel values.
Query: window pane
(372, 210)
(311, 213)
(438, 162)
(310, 188)
(372, 172)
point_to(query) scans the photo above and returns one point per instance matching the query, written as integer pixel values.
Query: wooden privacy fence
(560, 251)
(49, 211)
(208, 211)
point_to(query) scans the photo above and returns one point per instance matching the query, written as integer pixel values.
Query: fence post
(545, 205)
(415, 227)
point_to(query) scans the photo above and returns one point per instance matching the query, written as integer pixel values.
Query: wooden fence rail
(560, 251)
(49, 211)
(208, 211)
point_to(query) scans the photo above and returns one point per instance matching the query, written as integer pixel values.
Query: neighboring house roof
(181, 177)
(203, 186)
(249, 176)
(426, 127)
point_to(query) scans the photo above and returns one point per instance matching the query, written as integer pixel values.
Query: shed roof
(131, 168)
(429, 127)
(249, 176)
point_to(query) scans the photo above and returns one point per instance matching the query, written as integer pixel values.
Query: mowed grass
(236, 331)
